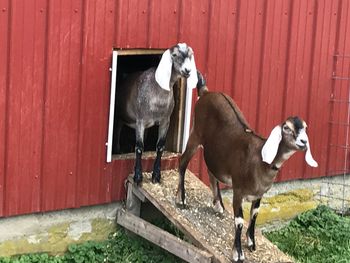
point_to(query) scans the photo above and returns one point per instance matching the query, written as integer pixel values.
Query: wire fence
(335, 191)
(336, 194)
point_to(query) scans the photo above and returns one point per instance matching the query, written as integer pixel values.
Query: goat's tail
(201, 84)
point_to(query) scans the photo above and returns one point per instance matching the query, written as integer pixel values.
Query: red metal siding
(275, 58)
(4, 35)
(93, 174)
(62, 100)
(25, 78)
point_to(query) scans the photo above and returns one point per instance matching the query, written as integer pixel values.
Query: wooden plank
(137, 192)
(162, 238)
(133, 204)
(192, 236)
(201, 225)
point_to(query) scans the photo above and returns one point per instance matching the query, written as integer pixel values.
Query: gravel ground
(212, 231)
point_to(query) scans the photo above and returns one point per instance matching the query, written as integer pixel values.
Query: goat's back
(216, 112)
(225, 135)
(141, 98)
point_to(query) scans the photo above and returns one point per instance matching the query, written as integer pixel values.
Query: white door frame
(113, 69)
(109, 143)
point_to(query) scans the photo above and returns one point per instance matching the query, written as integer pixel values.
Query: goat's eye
(173, 55)
(287, 129)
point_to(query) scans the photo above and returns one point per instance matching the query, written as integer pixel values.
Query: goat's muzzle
(186, 73)
(302, 147)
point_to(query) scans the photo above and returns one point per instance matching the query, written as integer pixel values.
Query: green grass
(316, 236)
(118, 248)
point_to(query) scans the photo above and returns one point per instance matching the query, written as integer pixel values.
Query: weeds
(315, 236)
(118, 248)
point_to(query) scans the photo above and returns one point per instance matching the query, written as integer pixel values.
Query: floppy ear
(308, 156)
(192, 80)
(270, 147)
(163, 71)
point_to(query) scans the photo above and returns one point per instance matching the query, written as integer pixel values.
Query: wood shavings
(198, 221)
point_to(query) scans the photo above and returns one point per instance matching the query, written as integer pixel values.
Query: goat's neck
(283, 154)
(174, 78)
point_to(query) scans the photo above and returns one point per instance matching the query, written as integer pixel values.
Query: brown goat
(235, 155)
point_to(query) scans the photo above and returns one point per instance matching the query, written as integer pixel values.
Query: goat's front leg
(162, 132)
(140, 129)
(251, 228)
(238, 255)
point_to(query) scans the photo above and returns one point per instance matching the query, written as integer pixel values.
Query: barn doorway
(124, 63)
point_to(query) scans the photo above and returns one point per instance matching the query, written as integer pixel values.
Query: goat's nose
(303, 141)
(187, 70)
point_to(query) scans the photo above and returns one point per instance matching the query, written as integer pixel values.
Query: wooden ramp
(211, 234)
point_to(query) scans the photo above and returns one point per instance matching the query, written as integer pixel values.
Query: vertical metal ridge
(326, 46)
(235, 47)
(116, 20)
(311, 64)
(336, 50)
(200, 163)
(346, 157)
(261, 62)
(110, 168)
(208, 34)
(7, 107)
(79, 135)
(180, 19)
(43, 113)
(226, 75)
(286, 71)
(149, 23)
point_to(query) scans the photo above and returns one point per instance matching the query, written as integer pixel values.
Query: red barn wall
(275, 58)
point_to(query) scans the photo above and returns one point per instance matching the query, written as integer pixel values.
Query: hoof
(218, 208)
(240, 260)
(156, 177)
(179, 201)
(238, 257)
(138, 178)
(252, 248)
(251, 243)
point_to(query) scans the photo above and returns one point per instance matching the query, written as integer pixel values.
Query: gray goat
(237, 156)
(146, 98)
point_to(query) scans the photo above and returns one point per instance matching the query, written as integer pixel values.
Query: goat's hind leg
(217, 200)
(191, 148)
(238, 255)
(140, 129)
(251, 228)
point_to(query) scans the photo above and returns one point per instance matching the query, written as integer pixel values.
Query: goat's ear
(270, 147)
(163, 71)
(308, 156)
(193, 78)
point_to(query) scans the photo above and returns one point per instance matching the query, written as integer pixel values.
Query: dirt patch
(207, 229)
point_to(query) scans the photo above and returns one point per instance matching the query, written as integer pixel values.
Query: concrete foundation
(52, 232)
